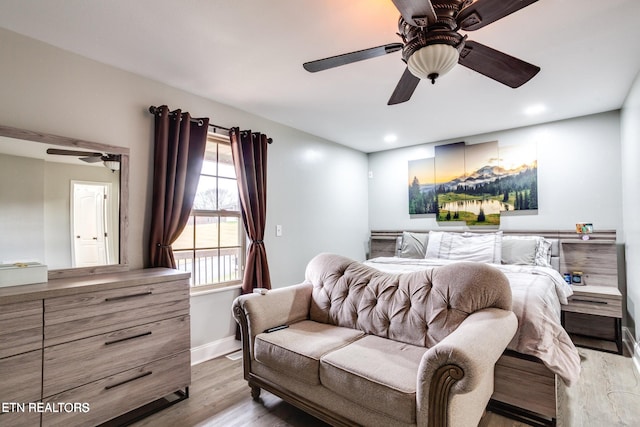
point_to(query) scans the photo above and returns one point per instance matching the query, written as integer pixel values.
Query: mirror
(63, 202)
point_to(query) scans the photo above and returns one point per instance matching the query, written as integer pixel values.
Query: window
(212, 245)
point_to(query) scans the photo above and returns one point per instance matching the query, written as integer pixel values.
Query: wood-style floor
(607, 394)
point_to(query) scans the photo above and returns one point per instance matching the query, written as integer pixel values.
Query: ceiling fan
(432, 45)
(112, 161)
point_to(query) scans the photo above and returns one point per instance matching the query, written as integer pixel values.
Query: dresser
(82, 351)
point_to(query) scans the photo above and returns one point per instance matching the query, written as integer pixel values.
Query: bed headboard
(596, 258)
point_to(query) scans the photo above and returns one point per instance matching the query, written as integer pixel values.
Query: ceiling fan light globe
(114, 165)
(435, 59)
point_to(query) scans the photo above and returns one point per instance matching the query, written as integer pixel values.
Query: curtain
(249, 150)
(180, 143)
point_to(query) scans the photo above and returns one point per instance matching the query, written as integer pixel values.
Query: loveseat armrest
(455, 377)
(255, 313)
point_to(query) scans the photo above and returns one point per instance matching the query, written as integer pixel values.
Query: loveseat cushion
(296, 350)
(377, 373)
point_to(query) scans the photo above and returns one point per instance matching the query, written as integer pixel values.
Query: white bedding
(537, 294)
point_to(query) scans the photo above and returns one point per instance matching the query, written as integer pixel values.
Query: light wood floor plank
(607, 394)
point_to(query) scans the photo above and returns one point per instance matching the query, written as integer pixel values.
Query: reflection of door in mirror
(91, 231)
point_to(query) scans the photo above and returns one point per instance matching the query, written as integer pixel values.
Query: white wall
(317, 190)
(631, 203)
(21, 210)
(578, 176)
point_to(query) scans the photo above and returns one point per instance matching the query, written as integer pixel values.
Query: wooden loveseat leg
(255, 391)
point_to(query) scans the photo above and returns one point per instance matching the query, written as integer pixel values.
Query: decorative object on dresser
(106, 344)
(22, 273)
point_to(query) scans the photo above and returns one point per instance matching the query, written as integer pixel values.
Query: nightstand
(594, 313)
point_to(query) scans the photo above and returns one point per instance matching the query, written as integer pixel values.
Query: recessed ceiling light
(390, 138)
(534, 110)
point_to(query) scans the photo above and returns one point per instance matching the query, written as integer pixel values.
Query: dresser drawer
(25, 382)
(115, 395)
(20, 419)
(93, 313)
(20, 327)
(80, 362)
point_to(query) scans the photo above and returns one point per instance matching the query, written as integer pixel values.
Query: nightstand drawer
(595, 306)
(80, 362)
(595, 300)
(594, 312)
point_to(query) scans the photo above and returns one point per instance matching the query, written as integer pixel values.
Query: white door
(88, 225)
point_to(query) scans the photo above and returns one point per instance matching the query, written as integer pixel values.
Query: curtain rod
(153, 109)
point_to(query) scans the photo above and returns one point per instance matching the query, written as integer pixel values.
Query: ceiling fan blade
(418, 13)
(484, 12)
(348, 58)
(496, 65)
(405, 88)
(61, 152)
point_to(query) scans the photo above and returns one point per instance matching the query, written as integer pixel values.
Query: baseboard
(214, 349)
(632, 347)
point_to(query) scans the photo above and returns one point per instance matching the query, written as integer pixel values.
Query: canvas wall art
(475, 183)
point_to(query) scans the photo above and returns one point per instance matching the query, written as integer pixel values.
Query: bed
(541, 351)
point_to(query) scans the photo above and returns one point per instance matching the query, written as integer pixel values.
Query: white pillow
(542, 255)
(543, 252)
(413, 245)
(518, 251)
(465, 247)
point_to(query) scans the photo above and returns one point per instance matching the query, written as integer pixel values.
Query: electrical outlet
(278, 231)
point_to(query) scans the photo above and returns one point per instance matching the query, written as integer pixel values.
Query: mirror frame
(46, 138)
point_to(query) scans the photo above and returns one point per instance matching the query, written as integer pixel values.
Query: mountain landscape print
(474, 183)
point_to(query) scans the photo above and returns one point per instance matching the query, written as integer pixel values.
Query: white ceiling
(38, 150)
(249, 54)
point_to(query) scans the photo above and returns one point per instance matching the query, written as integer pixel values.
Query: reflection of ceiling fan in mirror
(111, 161)
(432, 45)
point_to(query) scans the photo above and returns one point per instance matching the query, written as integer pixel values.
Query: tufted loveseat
(362, 347)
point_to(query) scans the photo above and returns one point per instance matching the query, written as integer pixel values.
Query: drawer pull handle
(144, 334)
(128, 381)
(141, 294)
(588, 300)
